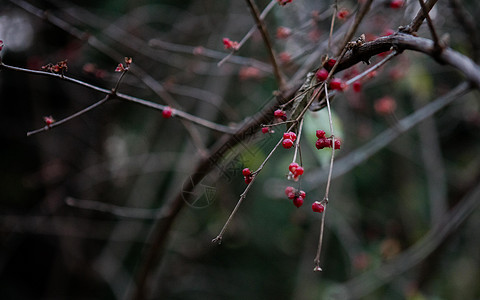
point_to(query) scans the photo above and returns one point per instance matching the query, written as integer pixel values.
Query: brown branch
(268, 44)
(418, 20)
(178, 113)
(436, 44)
(401, 42)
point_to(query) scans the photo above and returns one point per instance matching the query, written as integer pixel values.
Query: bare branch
(268, 44)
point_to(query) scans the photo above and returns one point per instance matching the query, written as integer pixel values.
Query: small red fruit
(265, 130)
(302, 194)
(287, 143)
(280, 114)
(292, 167)
(298, 201)
(357, 86)
(298, 171)
(1, 45)
(167, 112)
(331, 62)
(337, 84)
(290, 192)
(248, 179)
(290, 135)
(246, 172)
(320, 134)
(338, 143)
(283, 32)
(343, 14)
(321, 74)
(318, 207)
(396, 4)
(321, 143)
(48, 120)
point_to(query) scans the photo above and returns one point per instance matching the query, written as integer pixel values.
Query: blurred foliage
(128, 156)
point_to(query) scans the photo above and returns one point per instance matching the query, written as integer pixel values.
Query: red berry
(289, 190)
(167, 112)
(328, 143)
(321, 143)
(320, 134)
(283, 32)
(287, 143)
(298, 171)
(285, 57)
(357, 86)
(248, 179)
(385, 105)
(338, 143)
(298, 201)
(331, 62)
(343, 13)
(337, 84)
(280, 114)
(292, 167)
(265, 130)
(318, 207)
(302, 194)
(321, 74)
(246, 172)
(396, 4)
(1, 45)
(48, 120)
(290, 135)
(229, 44)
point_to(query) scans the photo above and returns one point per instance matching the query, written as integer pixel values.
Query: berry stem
(320, 240)
(219, 237)
(327, 189)
(297, 142)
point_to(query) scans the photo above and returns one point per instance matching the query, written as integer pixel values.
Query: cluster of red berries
(324, 142)
(288, 139)
(280, 115)
(295, 195)
(248, 175)
(335, 83)
(296, 170)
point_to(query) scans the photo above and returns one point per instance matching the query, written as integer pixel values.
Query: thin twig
(73, 116)
(219, 237)
(297, 142)
(249, 33)
(329, 180)
(332, 24)
(120, 96)
(115, 210)
(418, 20)
(436, 44)
(268, 44)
